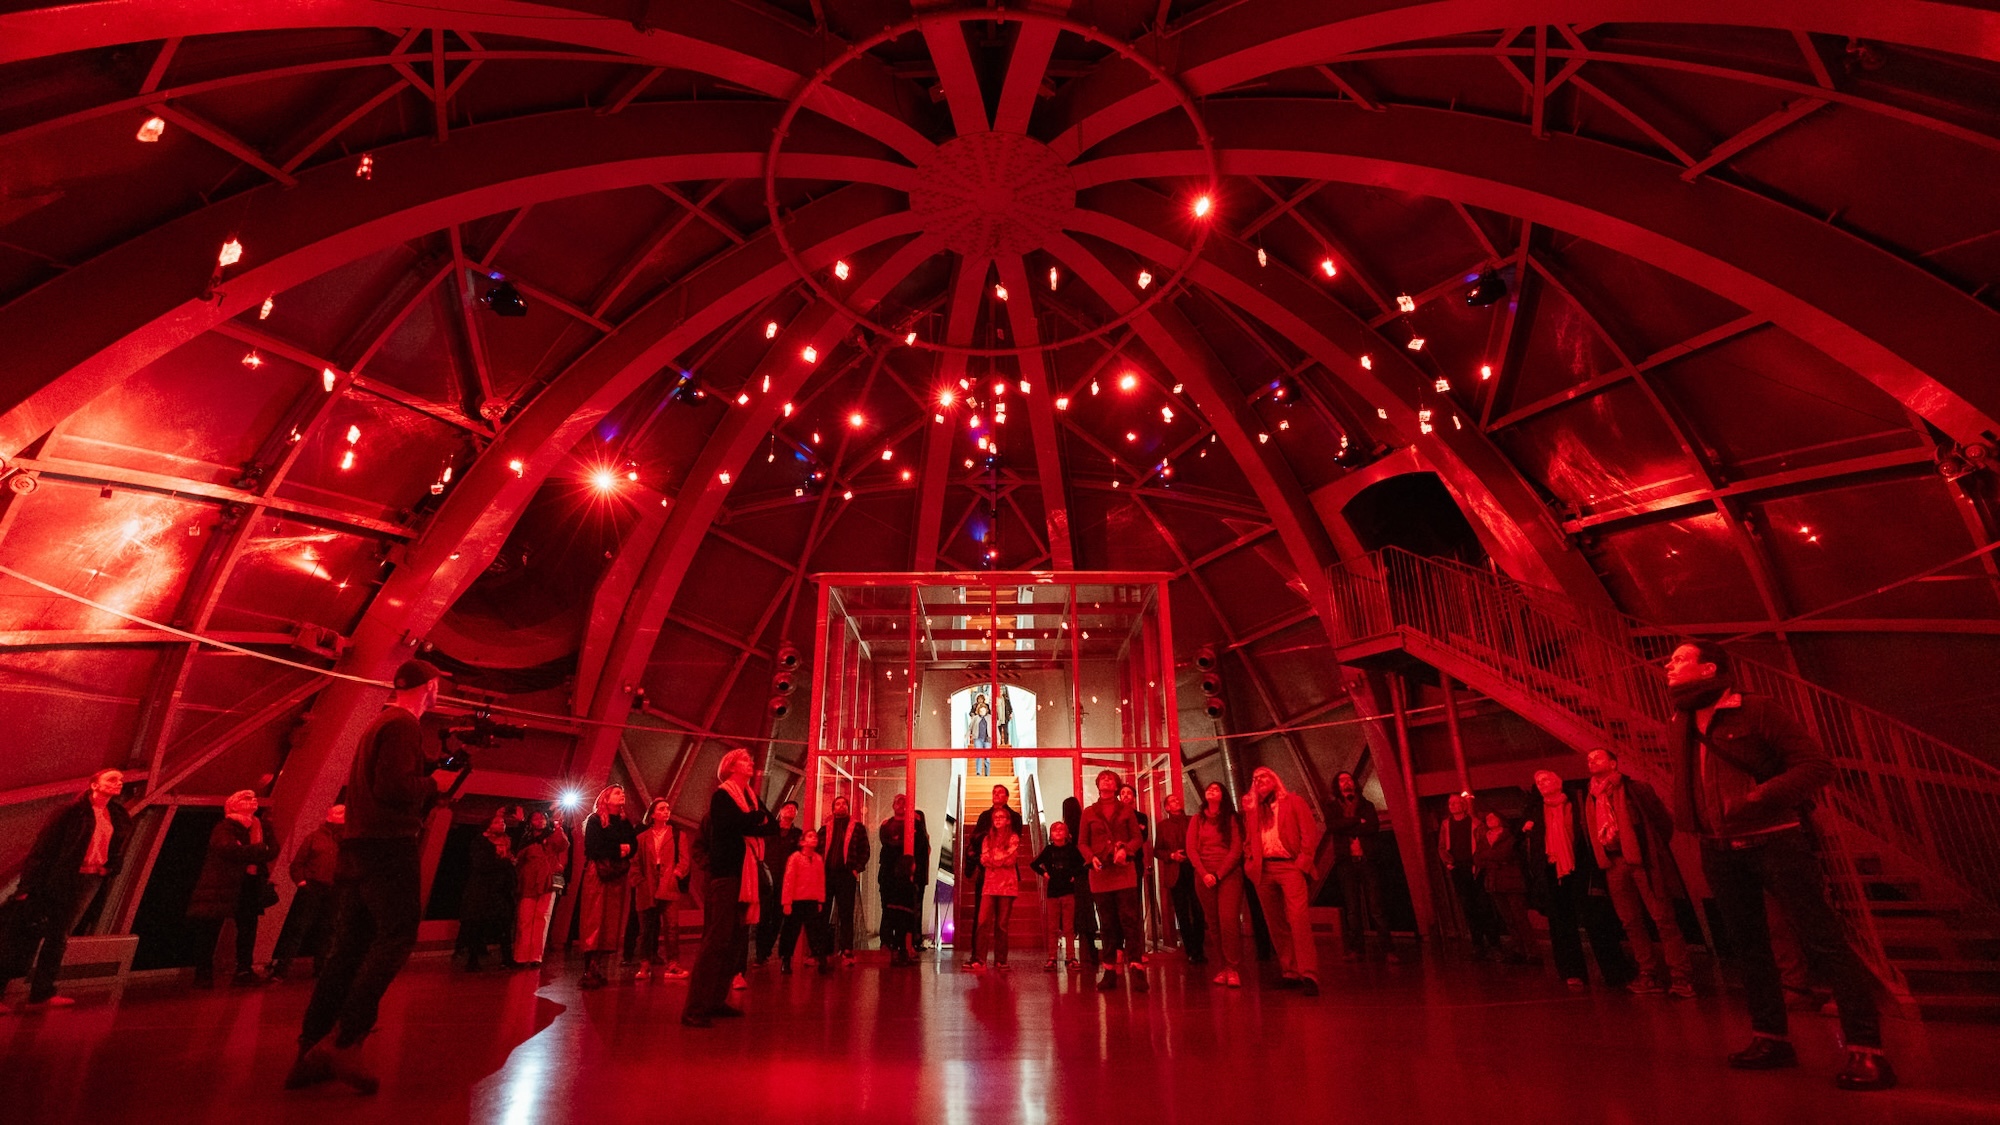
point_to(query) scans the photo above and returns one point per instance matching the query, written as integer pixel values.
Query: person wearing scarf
(609, 841)
(1745, 774)
(235, 883)
(1631, 835)
(735, 831)
(1567, 886)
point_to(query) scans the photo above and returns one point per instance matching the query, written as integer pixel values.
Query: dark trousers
(900, 905)
(842, 887)
(1118, 920)
(480, 933)
(810, 917)
(378, 900)
(39, 934)
(770, 920)
(660, 924)
(725, 939)
(974, 888)
(1086, 921)
(1480, 917)
(1187, 914)
(1571, 905)
(1784, 865)
(208, 931)
(1361, 904)
(308, 926)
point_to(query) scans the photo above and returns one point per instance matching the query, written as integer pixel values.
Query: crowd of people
(1595, 861)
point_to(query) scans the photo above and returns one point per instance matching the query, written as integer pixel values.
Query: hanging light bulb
(1000, 291)
(811, 354)
(232, 253)
(910, 339)
(1263, 259)
(907, 474)
(1406, 303)
(365, 170)
(1024, 386)
(1127, 381)
(767, 384)
(999, 389)
(1093, 386)
(1382, 412)
(1263, 438)
(1442, 385)
(347, 460)
(938, 418)
(1062, 402)
(1167, 413)
(152, 128)
(973, 422)
(1203, 204)
(517, 466)
(1130, 436)
(1416, 344)
(723, 476)
(888, 455)
(1485, 372)
(1145, 278)
(327, 379)
(1327, 267)
(771, 330)
(1367, 363)
(353, 434)
(1054, 278)
(743, 399)
(946, 397)
(840, 270)
(856, 419)
(264, 310)
(252, 360)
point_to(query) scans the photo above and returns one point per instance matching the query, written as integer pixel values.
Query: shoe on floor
(1681, 990)
(1235, 979)
(1221, 977)
(1108, 982)
(1765, 1053)
(311, 1068)
(1576, 984)
(1865, 1070)
(1309, 986)
(1644, 986)
(673, 972)
(348, 1066)
(739, 984)
(49, 1002)
(643, 973)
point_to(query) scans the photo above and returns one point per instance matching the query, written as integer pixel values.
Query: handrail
(1934, 803)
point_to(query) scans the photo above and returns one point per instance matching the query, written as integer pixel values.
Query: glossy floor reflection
(1421, 1041)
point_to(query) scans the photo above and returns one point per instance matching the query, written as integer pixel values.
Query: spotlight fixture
(504, 300)
(1202, 206)
(1490, 289)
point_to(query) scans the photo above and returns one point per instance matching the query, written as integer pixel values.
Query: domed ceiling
(572, 339)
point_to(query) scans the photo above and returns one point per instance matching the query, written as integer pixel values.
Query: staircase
(1912, 824)
(1026, 931)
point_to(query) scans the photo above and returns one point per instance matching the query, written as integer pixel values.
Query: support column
(1457, 740)
(1411, 836)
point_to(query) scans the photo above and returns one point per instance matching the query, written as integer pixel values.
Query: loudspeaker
(780, 706)
(788, 657)
(1204, 658)
(1211, 684)
(1211, 705)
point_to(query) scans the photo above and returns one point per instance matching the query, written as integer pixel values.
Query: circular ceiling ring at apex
(990, 193)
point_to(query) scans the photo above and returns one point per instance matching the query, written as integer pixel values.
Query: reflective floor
(1421, 1041)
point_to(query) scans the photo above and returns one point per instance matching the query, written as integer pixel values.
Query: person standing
(1456, 837)
(1745, 774)
(843, 840)
(777, 855)
(378, 885)
(1631, 837)
(539, 860)
(975, 875)
(1280, 839)
(901, 879)
(79, 847)
(1061, 867)
(1496, 859)
(1128, 795)
(309, 923)
(1177, 877)
(486, 916)
(804, 904)
(1566, 883)
(1356, 826)
(1111, 844)
(1215, 852)
(235, 883)
(609, 839)
(656, 892)
(1086, 905)
(734, 833)
(1000, 859)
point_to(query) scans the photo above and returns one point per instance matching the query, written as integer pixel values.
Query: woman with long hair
(1000, 858)
(1280, 840)
(491, 883)
(539, 859)
(609, 840)
(1215, 850)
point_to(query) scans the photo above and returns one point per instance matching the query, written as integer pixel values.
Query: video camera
(479, 731)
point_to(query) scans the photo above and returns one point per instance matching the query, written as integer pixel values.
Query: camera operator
(377, 884)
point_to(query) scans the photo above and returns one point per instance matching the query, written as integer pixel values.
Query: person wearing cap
(734, 834)
(377, 885)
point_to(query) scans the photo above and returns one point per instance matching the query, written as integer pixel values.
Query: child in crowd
(804, 898)
(1060, 865)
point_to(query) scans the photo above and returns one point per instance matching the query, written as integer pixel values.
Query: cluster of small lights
(365, 170)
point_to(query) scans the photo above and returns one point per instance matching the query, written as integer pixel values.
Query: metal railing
(1897, 788)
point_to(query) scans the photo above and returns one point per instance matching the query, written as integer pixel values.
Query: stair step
(1959, 1008)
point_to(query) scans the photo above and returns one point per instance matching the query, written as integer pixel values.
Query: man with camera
(377, 884)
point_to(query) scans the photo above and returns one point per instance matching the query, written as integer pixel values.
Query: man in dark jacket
(76, 851)
(1745, 775)
(1631, 837)
(903, 874)
(309, 924)
(1567, 886)
(1177, 879)
(732, 838)
(843, 840)
(1355, 824)
(377, 884)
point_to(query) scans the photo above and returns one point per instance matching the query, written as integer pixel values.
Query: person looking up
(1061, 867)
(656, 891)
(1280, 838)
(539, 860)
(733, 838)
(1356, 826)
(78, 848)
(1215, 852)
(804, 904)
(1110, 842)
(1000, 859)
(843, 840)
(1631, 837)
(309, 923)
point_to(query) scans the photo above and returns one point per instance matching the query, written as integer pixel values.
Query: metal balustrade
(1597, 674)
